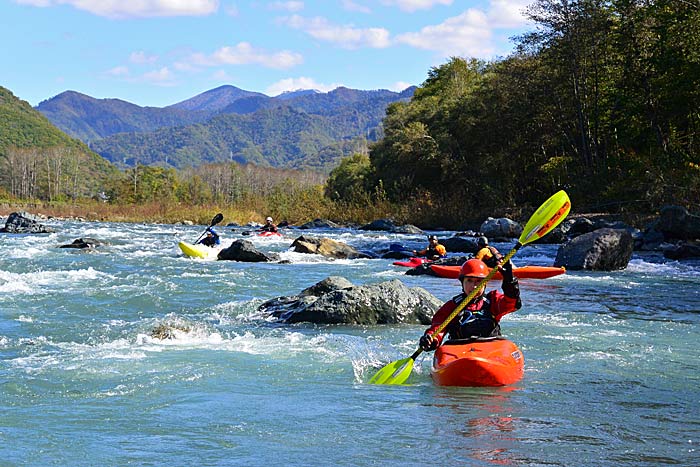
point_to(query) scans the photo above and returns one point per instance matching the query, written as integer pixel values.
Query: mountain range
(300, 129)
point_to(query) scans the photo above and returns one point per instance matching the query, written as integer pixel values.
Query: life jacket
(430, 252)
(478, 321)
(495, 258)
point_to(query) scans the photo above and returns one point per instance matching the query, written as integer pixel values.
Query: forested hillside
(39, 160)
(90, 119)
(300, 129)
(307, 131)
(601, 99)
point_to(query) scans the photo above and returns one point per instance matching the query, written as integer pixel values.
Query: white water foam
(46, 281)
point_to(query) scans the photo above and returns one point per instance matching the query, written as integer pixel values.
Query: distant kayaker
(433, 251)
(482, 316)
(211, 239)
(269, 226)
(487, 253)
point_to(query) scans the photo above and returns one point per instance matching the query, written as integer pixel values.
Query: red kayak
(411, 263)
(525, 272)
(269, 234)
(483, 361)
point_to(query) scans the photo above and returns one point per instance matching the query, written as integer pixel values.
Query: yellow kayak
(198, 251)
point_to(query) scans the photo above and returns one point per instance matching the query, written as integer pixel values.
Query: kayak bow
(484, 361)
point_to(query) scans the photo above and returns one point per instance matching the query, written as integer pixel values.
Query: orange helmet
(473, 268)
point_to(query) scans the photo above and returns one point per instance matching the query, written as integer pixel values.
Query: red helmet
(473, 268)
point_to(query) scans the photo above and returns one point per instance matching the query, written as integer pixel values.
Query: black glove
(507, 271)
(427, 343)
(510, 285)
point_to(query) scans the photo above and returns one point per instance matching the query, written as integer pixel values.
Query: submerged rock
(169, 330)
(335, 300)
(83, 243)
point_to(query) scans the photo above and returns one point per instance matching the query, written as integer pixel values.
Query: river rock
(388, 225)
(245, 251)
(683, 250)
(337, 301)
(600, 250)
(501, 228)
(23, 222)
(83, 243)
(320, 224)
(675, 222)
(326, 247)
(460, 244)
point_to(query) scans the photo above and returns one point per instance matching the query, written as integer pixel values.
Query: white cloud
(120, 9)
(468, 34)
(350, 5)
(161, 77)
(118, 71)
(244, 54)
(221, 75)
(399, 86)
(286, 6)
(141, 58)
(294, 84)
(508, 13)
(348, 37)
(414, 5)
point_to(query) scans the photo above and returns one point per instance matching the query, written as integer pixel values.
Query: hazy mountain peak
(296, 93)
(216, 99)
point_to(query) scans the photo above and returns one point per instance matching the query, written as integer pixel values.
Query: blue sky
(159, 52)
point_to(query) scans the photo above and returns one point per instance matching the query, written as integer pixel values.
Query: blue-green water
(611, 363)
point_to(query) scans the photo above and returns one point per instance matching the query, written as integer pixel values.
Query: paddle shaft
(469, 298)
(215, 220)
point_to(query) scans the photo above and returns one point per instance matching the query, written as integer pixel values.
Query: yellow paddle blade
(394, 373)
(548, 216)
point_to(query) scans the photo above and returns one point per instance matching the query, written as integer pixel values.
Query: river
(612, 369)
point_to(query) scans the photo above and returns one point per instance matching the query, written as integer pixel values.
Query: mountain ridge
(192, 131)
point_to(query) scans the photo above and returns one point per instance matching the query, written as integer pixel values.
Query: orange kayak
(484, 361)
(525, 272)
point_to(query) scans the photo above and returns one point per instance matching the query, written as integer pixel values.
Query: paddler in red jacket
(482, 316)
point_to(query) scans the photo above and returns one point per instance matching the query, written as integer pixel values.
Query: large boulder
(320, 224)
(388, 225)
(336, 301)
(326, 247)
(600, 250)
(245, 251)
(23, 222)
(501, 228)
(675, 222)
(460, 244)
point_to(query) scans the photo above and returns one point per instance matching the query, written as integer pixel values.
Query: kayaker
(482, 316)
(433, 251)
(269, 226)
(487, 253)
(211, 239)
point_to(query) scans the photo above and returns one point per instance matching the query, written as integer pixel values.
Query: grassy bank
(251, 210)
